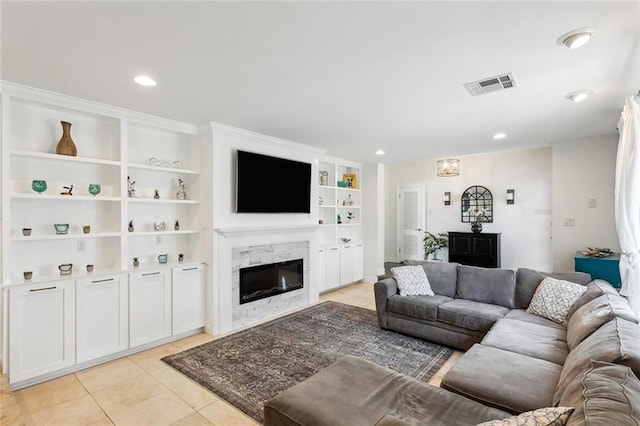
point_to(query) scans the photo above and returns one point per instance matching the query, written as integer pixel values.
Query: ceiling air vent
(491, 84)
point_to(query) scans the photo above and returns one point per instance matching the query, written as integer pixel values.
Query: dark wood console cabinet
(481, 249)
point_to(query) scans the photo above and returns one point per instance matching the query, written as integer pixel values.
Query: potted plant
(135, 262)
(86, 229)
(130, 226)
(434, 242)
(180, 257)
(477, 215)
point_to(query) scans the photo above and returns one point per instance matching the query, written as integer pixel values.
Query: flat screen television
(266, 184)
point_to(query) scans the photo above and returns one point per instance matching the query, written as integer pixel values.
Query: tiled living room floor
(141, 390)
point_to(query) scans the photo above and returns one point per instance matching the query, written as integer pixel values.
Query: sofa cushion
(486, 285)
(553, 299)
(423, 307)
(503, 379)
(443, 276)
(606, 394)
(470, 315)
(617, 341)
(590, 316)
(358, 392)
(595, 289)
(528, 339)
(522, 315)
(527, 280)
(412, 281)
(547, 416)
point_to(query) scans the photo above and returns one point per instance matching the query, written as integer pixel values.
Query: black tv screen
(266, 184)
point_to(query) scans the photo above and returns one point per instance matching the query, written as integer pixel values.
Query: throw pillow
(548, 416)
(554, 298)
(412, 281)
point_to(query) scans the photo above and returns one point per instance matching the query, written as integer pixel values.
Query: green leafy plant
(434, 242)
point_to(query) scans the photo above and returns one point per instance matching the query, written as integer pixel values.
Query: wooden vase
(65, 145)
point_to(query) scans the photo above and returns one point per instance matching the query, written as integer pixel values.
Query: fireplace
(262, 281)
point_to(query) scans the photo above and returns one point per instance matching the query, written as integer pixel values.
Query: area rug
(251, 366)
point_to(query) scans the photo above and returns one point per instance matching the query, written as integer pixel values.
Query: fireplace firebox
(262, 281)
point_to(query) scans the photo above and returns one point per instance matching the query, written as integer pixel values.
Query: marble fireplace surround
(240, 247)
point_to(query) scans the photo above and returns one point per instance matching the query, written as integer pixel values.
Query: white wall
(525, 225)
(583, 169)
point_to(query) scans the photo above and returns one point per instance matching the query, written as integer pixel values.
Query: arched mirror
(476, 205)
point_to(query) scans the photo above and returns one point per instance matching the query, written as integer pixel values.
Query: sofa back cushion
(442, 276)
(607, 394)
(617, 341)
(590, 316)
(486, 285)
(527, 281)
(595, 289)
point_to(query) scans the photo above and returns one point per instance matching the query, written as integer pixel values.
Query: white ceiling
(348, 77)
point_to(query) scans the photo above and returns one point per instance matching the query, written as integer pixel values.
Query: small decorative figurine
(159, 226)
(131, 187)
(68, 190)
(130, 226)
(176, 226)
(156, 195)
(181, 194)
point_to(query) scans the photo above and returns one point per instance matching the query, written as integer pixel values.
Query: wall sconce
(447, 198)
(448, 167)
(511, 196)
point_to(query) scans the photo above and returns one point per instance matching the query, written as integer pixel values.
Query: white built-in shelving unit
(54, 324)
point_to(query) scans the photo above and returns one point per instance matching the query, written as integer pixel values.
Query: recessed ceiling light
(579, 95)
(379, 152)
(499, 135)
(145, 80)
(575, 38)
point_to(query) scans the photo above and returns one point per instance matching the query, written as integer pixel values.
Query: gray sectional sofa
(514, 362)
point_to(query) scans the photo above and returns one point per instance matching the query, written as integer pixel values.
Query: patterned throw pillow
(554, 298)
(412, 281)
(548, 416)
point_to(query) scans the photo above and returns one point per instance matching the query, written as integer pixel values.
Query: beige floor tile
(81, 411)
(151, 358)
(105, 375)
(105, 421)
(163, 409)
(10, 412)
(437, 378)
(128, 393)
(188, 390)
(221, 413)
(49, 394)
(194, 419)
(193, 341)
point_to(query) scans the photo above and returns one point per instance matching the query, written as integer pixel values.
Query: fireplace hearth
(262, 281)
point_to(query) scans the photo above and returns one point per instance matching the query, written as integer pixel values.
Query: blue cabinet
(604, 268)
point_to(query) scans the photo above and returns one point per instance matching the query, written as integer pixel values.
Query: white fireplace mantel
(238, 231)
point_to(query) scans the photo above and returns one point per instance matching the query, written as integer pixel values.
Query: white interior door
(410, 214)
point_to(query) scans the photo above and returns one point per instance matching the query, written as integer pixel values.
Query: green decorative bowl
(39, 186)
(94, 189)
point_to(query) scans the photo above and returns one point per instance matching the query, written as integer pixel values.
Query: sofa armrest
(383, 290)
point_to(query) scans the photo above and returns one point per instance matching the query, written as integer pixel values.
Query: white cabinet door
(41, 329)
(188, 298)
(333, 267)
(149, 306)
(322, 270)
(102, 316)
(346, 264)
(358, 261)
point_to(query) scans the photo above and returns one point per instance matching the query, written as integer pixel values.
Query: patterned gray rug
(254, 365)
